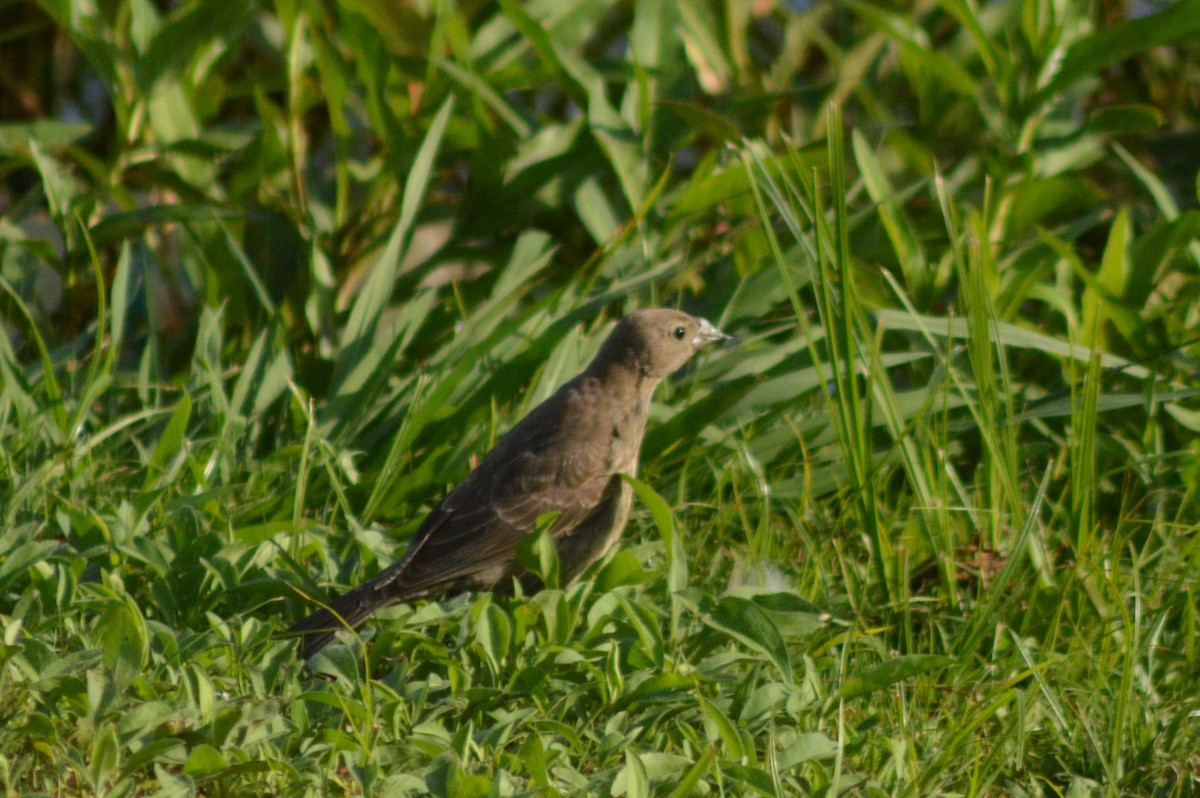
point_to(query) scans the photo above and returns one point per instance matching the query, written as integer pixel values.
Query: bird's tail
(347, 612)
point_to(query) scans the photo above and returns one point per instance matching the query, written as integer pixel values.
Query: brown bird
(563, 457)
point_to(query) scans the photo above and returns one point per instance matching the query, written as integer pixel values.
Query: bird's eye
(680, 332)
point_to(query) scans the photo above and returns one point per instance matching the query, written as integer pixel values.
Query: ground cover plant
(273, 276)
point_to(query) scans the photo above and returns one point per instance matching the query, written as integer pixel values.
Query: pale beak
(708, 334)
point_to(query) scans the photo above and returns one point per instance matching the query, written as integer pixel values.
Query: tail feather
(320, 628)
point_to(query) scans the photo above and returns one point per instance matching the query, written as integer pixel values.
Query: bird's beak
(708, 334)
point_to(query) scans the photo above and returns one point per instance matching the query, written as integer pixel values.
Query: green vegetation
(274, 274)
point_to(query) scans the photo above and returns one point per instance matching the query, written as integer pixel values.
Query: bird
(564, 457)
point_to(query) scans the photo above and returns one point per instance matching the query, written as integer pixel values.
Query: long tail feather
(347, 612)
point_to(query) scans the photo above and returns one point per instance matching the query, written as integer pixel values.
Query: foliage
(272, 276)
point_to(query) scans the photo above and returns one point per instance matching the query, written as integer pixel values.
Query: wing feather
(470, 540)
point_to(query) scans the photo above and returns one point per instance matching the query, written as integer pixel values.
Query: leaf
(130, 224)
(664, 521)
(493, 631)
(57, 185)
(1189, 419)
(264, 376)
(150, 753)
(49, 133)
(745, 622)
(1040, 200)
(702, 46)
(119, 301)
(204, 760)
(21, 550)
(767, 701)
(632, 779)
(645, 622)
(359, 363)
(890, 672)
(687, 785)
(1150, 249)
(257, 534)
(537, 553)
(663, 766)
(1010, 335)
(54, 395)
(588, 87)
(681, 429)
(169, 442)
(1125, 119)
(721, 729)
(543, 44)
(701, 119)
(189, 28)
(104, 757)
(1092, 54)
(123, 643)
(910, 256)
(1103, 299)
(793, 616)
(806, 748)
(755, 778)
(534, 760)
(622, 569)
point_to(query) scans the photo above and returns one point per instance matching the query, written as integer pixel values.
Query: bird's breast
(597, 534)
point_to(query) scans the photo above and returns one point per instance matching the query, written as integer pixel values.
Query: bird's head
(658, 341)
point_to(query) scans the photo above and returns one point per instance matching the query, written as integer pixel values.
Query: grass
(272, 279)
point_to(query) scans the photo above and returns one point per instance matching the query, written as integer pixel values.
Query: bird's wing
(474, 532)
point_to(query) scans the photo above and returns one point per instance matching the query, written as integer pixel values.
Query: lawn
(273, 277)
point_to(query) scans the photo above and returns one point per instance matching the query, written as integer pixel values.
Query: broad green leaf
(123, 643)
(793, 616)
(534, 760)
(721, 729)
(1102, 299)
(1042, 200)
(257, 534)
(621, 569)
(151, 752)
(538, 554)
(806, 748)
(891, 672)
(632, 779)
(493, 630)
(664, 521)
(745, 622)
(756, 779)
(204, 760)
(104, 757)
